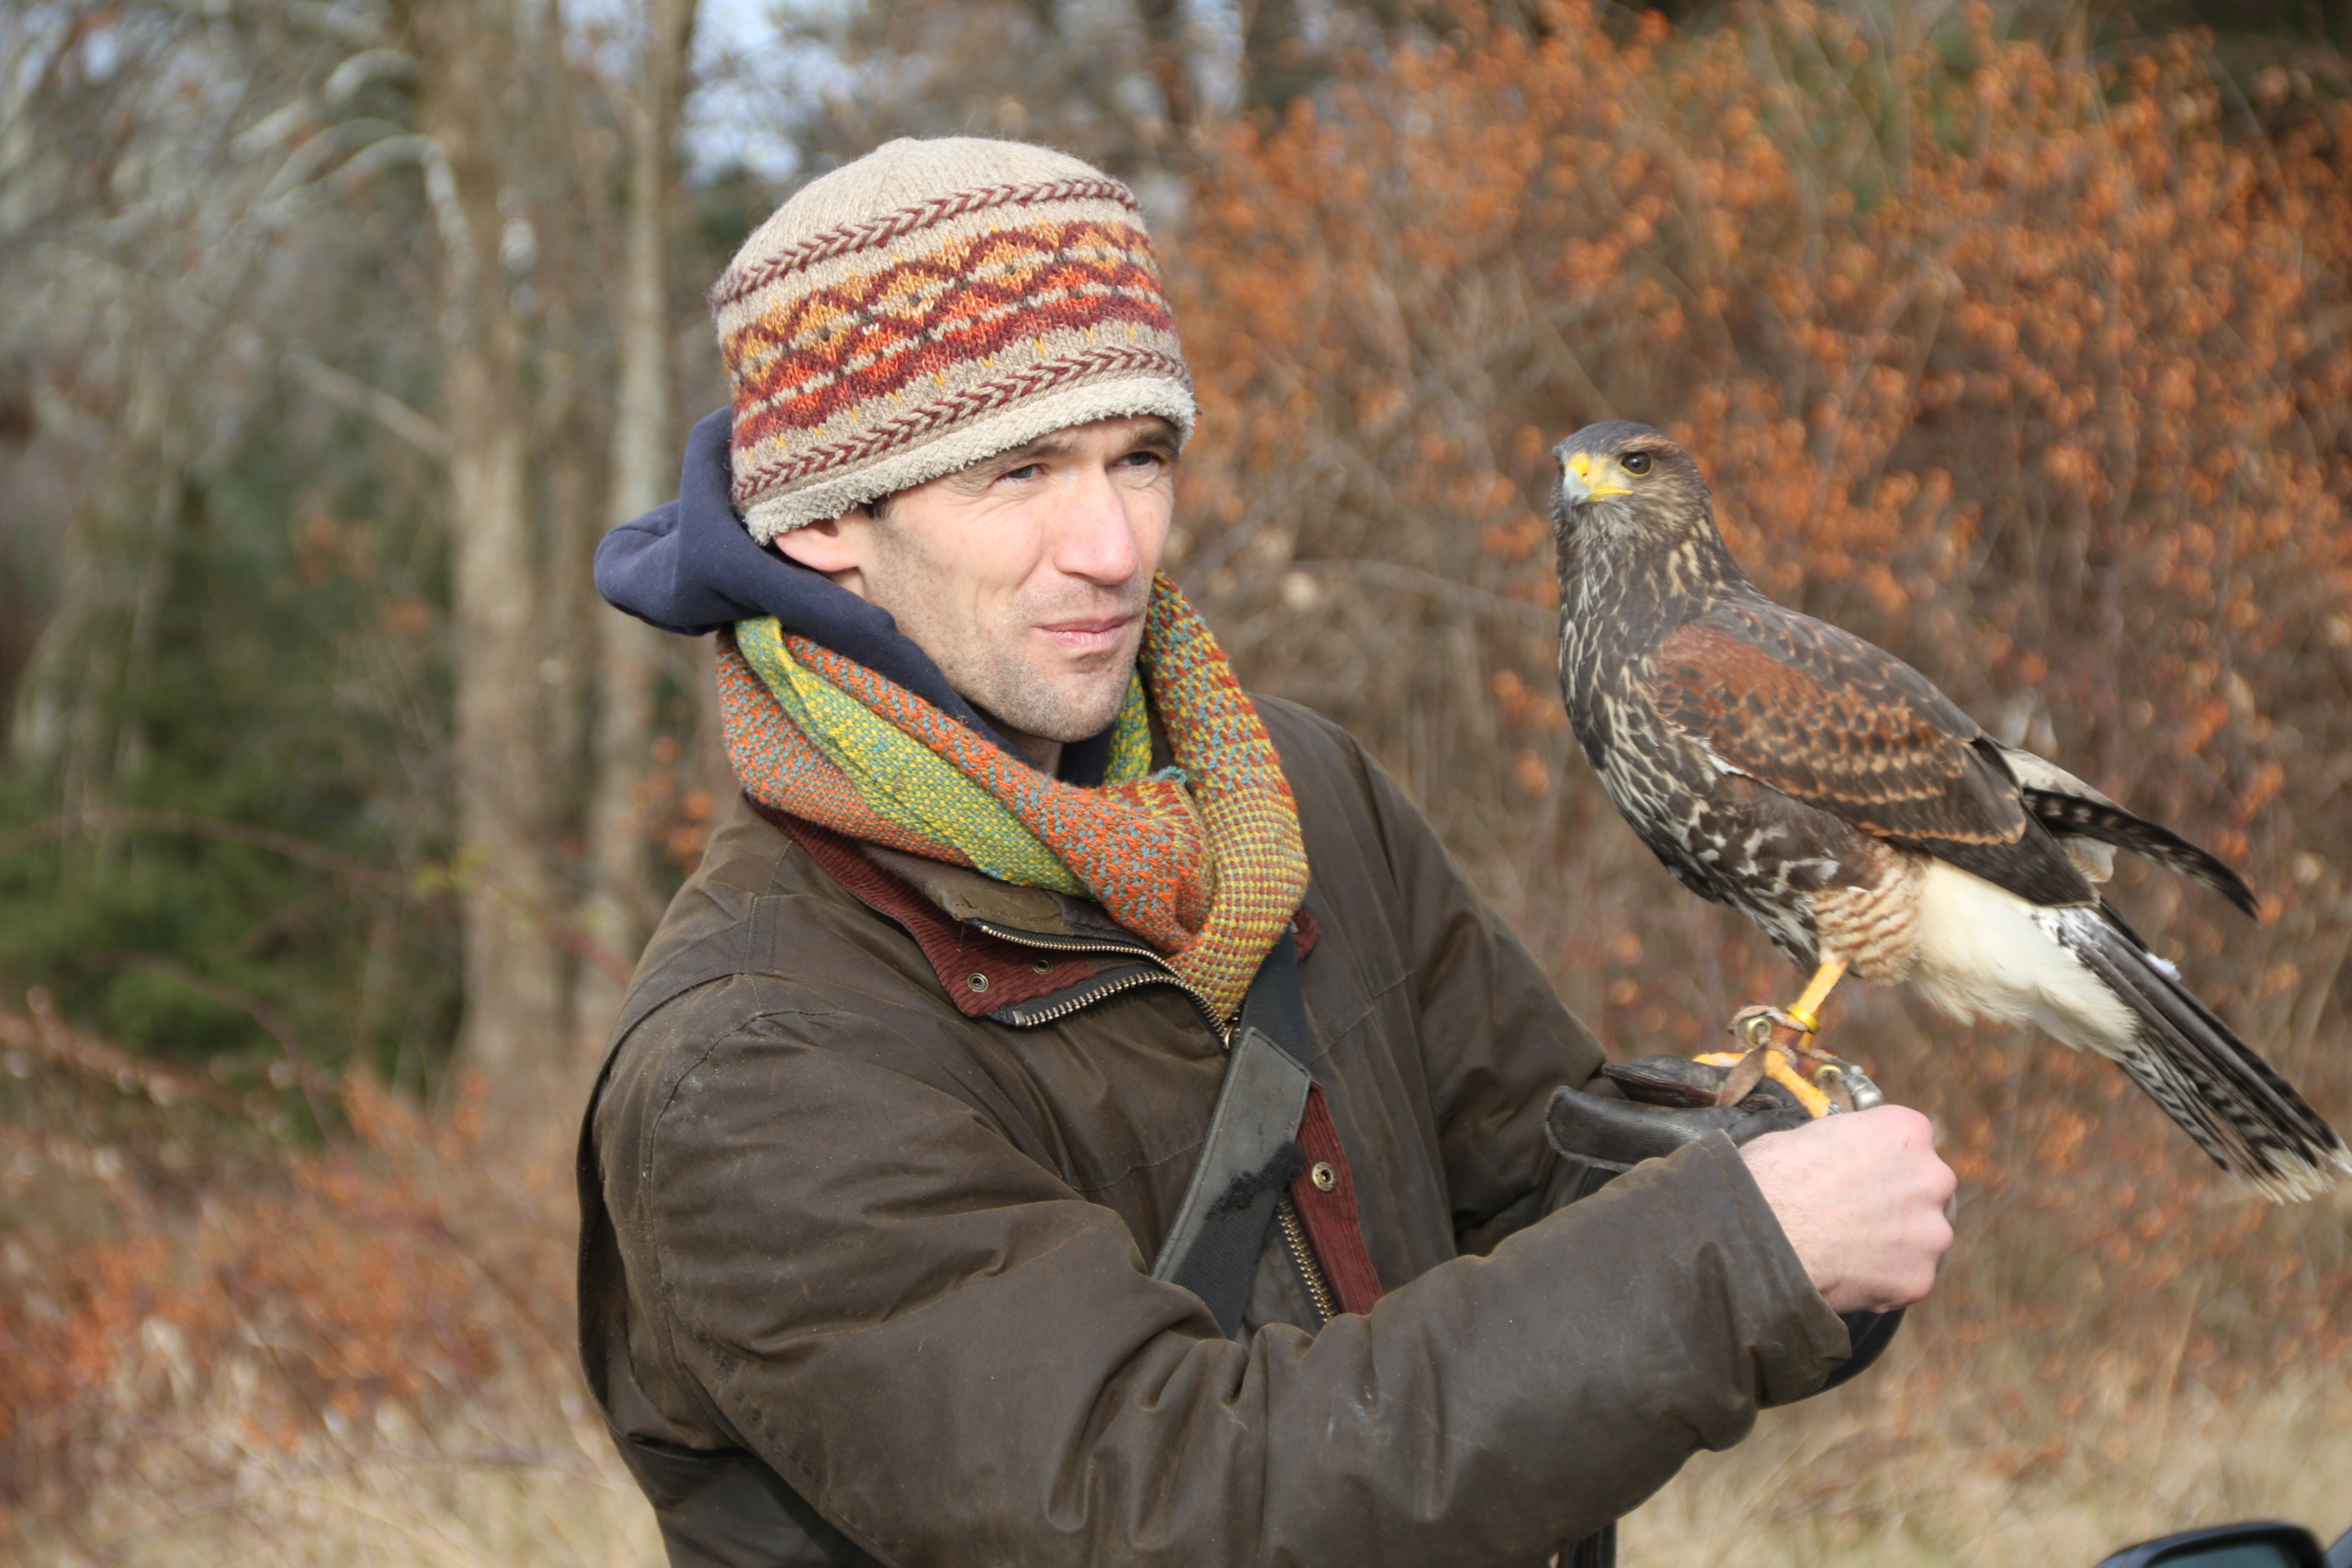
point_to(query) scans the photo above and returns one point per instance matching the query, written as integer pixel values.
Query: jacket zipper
(1161, 975)
(1088, 996)
(1302, 1252)
(1293, 1229)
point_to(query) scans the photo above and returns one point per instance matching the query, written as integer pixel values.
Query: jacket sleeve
(955, 1358)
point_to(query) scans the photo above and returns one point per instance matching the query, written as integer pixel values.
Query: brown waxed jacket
(865, 1227)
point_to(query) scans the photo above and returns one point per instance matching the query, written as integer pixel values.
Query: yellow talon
(1778, 1068)
(1760, 1027)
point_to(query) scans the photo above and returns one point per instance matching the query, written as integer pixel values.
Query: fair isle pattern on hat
(927, 307)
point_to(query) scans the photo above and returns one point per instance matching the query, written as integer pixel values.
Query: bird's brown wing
(1821, 716)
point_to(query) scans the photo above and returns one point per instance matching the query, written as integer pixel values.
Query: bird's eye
(1635, 462)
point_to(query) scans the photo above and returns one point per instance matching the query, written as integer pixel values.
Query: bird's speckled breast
(1721, 835)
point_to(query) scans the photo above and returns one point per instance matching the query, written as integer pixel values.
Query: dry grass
(515, 1481)
(1890, 1472)
(221, 1349)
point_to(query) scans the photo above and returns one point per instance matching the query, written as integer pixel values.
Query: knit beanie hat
(926, 306)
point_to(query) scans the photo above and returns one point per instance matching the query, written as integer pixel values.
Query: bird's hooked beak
(1583, 478)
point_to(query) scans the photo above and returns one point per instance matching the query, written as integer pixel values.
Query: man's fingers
(1864, 1202)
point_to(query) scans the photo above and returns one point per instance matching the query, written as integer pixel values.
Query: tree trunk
(1170, 49)
(622, 901)
(1274, 59)
(512, 1032)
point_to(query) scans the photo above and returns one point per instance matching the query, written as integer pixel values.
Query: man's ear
(835, 546)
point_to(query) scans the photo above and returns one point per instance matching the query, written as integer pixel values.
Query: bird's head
(1627, 493)
(1621, 477)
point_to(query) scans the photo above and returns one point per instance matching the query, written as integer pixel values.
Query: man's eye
(1025, 471)
(1636, 462)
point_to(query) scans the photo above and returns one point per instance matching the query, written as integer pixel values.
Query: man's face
(1023, 576)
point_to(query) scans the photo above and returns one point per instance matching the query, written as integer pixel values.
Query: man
(912, 1080)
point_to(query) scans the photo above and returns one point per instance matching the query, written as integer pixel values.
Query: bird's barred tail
(2237, 1108)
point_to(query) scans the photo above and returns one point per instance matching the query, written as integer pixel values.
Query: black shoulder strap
(1276, 1004)
(1250, 1152)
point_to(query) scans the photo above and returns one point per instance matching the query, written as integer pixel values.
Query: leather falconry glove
(1660, 1104)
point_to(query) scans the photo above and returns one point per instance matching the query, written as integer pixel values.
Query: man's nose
(1096, 531)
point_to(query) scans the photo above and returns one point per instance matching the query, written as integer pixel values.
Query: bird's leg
(1807, 1010)
(1780, 1043)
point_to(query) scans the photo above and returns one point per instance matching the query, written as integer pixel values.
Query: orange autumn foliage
(2033, 368)
(285, 1299)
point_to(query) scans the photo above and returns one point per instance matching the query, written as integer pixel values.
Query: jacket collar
(1012, 954)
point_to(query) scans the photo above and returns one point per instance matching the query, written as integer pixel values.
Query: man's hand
(1863, 1200)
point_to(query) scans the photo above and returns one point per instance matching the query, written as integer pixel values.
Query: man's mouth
(1091, 634)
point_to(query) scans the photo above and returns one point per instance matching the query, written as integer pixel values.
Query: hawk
(1831, 793)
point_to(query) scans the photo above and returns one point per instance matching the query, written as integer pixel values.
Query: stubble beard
(1067, 707)
(1023, 687)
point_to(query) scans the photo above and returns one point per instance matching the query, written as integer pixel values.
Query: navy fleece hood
(690, 567)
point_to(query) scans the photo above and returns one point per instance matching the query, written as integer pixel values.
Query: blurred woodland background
(333, 334)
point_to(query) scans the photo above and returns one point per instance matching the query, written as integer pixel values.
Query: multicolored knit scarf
(1204, 860)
